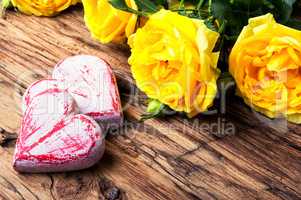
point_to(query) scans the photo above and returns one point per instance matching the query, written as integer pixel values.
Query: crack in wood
(51, 187)
(31, 192)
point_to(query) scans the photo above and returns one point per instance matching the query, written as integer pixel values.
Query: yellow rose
(265, 63)
(172, 61)
(107, 23)
(43, 7)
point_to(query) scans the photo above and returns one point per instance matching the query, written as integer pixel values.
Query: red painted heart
(92, 84)
(53, 136)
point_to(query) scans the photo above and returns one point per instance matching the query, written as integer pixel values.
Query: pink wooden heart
(53, 136)
(92, 84)
(40, 87)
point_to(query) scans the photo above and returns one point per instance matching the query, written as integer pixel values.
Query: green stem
(200, 4)
(221, 29)
(183, 9)
(182, 4)
(209, 7)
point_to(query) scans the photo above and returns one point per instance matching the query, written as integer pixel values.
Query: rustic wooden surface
(262, 160)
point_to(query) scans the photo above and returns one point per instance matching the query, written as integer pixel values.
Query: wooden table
(170, 158)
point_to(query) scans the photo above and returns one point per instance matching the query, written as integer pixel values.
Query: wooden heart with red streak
(53, 137)
(91, 82)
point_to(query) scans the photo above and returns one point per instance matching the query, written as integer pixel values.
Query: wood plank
(167, 158)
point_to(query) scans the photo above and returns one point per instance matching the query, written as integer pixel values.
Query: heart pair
(59, 131)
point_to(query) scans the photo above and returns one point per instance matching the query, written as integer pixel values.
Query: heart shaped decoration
(40, 87)
(53, 136)
(92, 84)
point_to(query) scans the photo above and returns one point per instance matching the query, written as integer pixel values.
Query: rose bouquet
(181, 50)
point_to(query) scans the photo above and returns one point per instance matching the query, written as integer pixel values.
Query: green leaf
(163, 3)
(268, 4)
(294, 23)
(121, 5)
(235, 17)
(220, 9)
(247, 4)
(284, 9)
(146, 6)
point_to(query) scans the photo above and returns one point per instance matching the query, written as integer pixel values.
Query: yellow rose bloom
(265, 63)
(172, 61)
(107, 23)
(43, 7)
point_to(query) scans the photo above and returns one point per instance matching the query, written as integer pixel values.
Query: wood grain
(168, 158)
